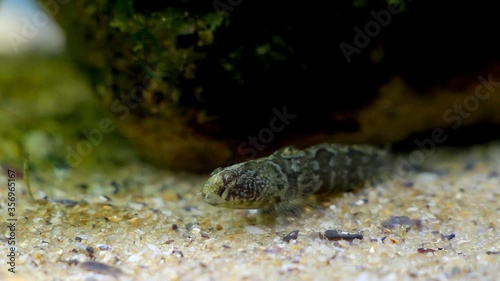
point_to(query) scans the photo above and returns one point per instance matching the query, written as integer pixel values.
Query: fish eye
(228, 177)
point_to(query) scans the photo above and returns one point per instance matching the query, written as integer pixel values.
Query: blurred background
(45, 102)
(24, 27)
(212, 77)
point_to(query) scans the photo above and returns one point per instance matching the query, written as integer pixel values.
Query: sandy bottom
(136, 222)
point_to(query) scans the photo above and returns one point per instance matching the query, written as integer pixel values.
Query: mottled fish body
(287, 177)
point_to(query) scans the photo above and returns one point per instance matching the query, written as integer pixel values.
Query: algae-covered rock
(197, 84)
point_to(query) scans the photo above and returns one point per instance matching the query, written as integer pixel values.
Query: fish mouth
(212, 199)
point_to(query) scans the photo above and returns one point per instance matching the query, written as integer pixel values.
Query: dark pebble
(178, 253)
(116, 187)
(174, 227)
(335, 235)
(418, 224)
(408, 183)
(83, 186)
(425, 250)
(450, 236)
(78, 239)
(493, 252)
(291, 236)
(398, 220)
(66, 202)
(101, 268)
(493, 174)
(104, 247)
(89, 249)
(382, 239)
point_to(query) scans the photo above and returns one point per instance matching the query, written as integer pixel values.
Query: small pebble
(81, 246)
(336, 235)
(67, 202)
(114, 218)
(291, 236)
(191, 226)
(418, 224)
(174, 227)
(360, 202)
(103, 247)
(89, 249)
(252, 229)
(493, 174)
(178, 254)
(493, 252)
(154, 248)
(398, 220)
(104, 198)
(136, 206)
(425, 250)
(450, 236)
(408, 184)
(135, 221)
